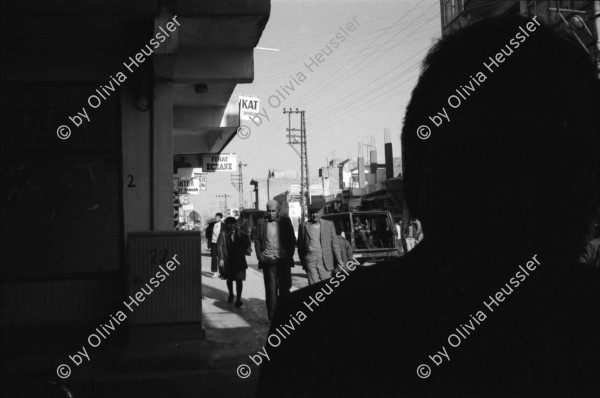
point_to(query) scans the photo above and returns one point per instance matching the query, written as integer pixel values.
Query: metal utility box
(164, 271)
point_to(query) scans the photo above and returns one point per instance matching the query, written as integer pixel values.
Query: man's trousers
(277, 274)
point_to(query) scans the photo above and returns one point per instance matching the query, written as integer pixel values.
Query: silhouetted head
(230, 223)
(518, 162)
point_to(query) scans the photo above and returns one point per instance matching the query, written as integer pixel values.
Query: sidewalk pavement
(175, 369)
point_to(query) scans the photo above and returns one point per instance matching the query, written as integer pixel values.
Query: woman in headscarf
(233, 246)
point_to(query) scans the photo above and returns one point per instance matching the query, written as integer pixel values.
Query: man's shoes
(230, 298)
(239, 303)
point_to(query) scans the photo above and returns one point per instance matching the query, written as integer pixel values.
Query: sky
(358, 89)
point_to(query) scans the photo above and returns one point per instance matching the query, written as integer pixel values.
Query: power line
(372, 59)
(369, 56)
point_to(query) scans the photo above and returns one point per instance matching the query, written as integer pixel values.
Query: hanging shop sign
(249, 107)
(202, 182)
(189, 186)
(219, 162)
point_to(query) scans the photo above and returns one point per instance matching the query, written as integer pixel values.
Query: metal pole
(305, 151)
(241, 186)
(303, 204)
(295, 139)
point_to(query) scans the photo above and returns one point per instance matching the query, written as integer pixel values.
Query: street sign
(295, 189)
(202, 182)
(189, 186)
(249, 107)
(219, 162)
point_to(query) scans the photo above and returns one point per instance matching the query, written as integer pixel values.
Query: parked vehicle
(371, 233)
(235, 213)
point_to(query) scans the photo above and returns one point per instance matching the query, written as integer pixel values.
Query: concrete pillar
(361, 172)
(373, 158)
(136, 177)
(389, 161)
(162, 156)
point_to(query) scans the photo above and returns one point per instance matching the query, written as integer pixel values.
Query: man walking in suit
(275, 248)
(318, 246)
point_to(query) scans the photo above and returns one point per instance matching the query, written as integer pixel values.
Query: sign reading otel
(219, 162)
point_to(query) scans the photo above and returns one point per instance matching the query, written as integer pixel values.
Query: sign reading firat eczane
(219, 162)
(249, 107)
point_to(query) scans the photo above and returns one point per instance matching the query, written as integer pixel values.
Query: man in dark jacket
(233, 246)
(275, 246)
(318, 246)
(497, 312)
(212, 235)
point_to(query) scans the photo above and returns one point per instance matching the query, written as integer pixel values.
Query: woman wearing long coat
(232, 248)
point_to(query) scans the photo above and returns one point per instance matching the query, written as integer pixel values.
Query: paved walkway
(175, 369)
(243, 330)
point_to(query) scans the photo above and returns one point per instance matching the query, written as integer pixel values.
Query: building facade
(99, 100)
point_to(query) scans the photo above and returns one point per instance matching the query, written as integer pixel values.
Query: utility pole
(225, 196)
(237, 180)
(300, 139)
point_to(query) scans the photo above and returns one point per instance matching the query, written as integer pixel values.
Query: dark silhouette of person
(233, 245)
(493, 300)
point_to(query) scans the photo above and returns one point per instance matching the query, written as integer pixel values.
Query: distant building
(348, 185)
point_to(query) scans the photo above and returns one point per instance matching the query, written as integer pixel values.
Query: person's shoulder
(350, 290)
(285, 220)
(357, 314)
